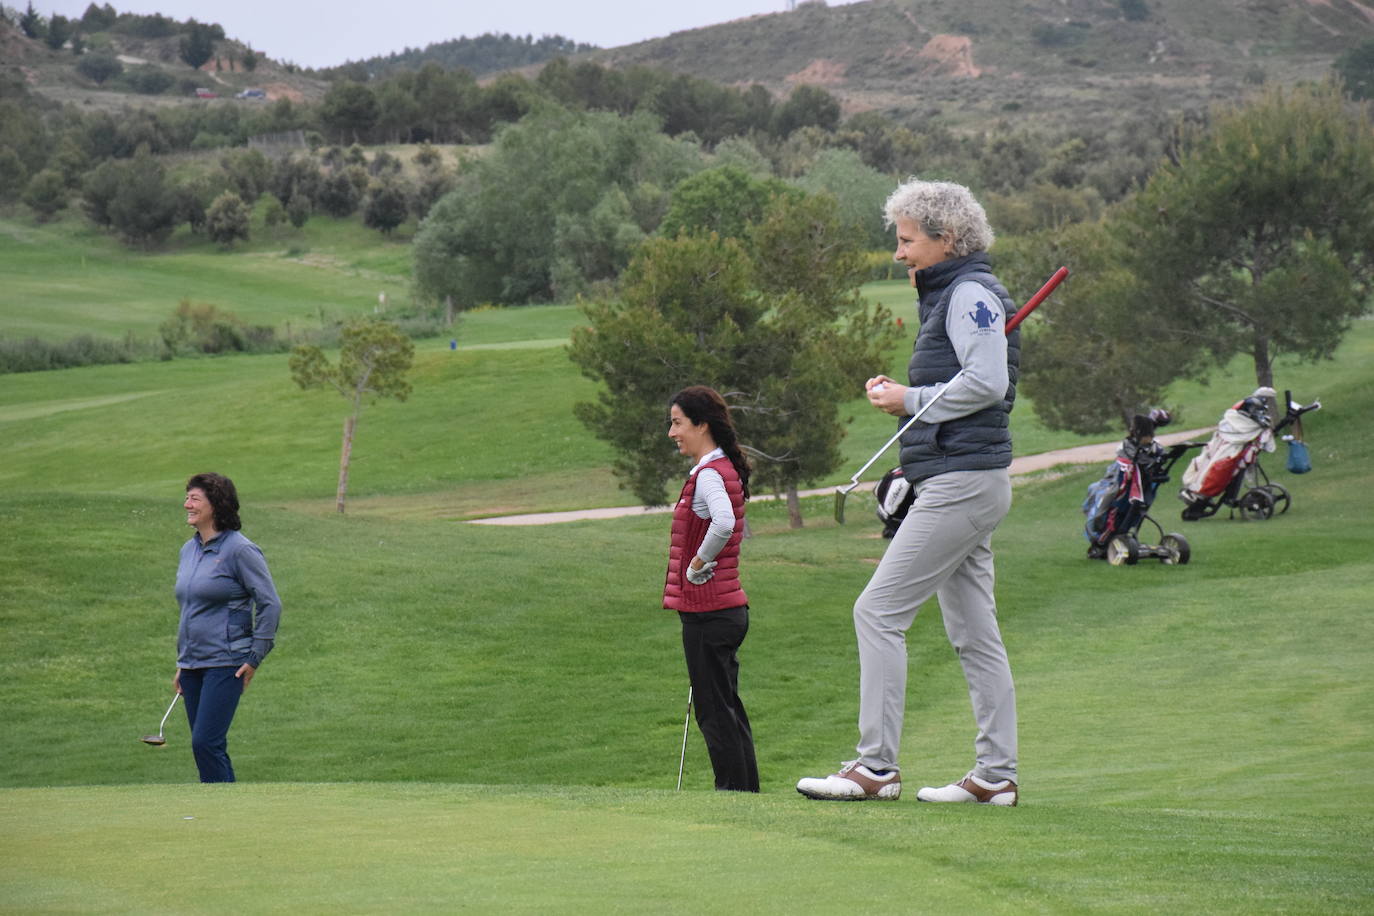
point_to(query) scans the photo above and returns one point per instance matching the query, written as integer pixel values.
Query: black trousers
(709, 641)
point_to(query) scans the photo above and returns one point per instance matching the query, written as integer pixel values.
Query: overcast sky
(335, 31)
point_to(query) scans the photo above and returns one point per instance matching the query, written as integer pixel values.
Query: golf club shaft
(854, 481)
(682, 760)
(175, 697)
(1015, 320)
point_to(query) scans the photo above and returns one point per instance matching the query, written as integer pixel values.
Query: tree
(46, 194)
(249, 172)
(250, 60)
(143, 209)
(99, 67)
(374, 359)
(860, 190)
(546, 195)
(784, 349)
(723, 200)
(227, 219)
(198, 44)
(14, 177)
(807, 106)
(1355, 67)
(387, 206)
(349, 109)
(1258, 239)
(31, 23)
(338, 195)
(298, 210)
(98, 18)
(1097, 351)
(59, 30)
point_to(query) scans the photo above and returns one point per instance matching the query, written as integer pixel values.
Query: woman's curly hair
(942, 210)
(223, 497)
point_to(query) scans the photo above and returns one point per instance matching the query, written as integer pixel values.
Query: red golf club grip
(1038, 298)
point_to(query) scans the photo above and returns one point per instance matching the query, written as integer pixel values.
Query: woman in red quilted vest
(703, 579)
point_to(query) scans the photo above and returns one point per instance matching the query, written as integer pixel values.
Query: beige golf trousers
(943, 548)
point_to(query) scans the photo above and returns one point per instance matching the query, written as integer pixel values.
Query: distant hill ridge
(974, 59)
(489, 53)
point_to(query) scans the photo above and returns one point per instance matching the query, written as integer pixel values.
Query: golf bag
(1118, 504)
(894, 494)
(1228, 472)
(1242, 433)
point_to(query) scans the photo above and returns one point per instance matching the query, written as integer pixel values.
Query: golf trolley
(1118, 504)
(1248, 489)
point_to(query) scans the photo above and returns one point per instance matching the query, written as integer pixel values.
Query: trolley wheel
(1177, 550)
(1256, 505)
(1123, 550)
(1280, 495)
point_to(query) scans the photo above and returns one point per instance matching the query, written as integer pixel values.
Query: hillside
(1050, 60)
(967, 63)
(53, 74)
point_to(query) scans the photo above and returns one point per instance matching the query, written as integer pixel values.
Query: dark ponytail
(700, 404)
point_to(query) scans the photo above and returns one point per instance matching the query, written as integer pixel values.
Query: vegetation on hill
(971, 64)
(480, 56)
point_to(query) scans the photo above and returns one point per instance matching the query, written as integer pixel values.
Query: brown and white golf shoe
(854, 782)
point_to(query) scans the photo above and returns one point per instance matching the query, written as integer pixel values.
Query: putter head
(155, 740)
(840, 494)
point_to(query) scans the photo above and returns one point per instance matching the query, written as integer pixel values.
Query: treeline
(58, 31)
(489, 53)
(438, 106)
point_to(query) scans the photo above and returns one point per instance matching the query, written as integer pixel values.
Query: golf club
(682, 761)
(157, 739)
(842, 491)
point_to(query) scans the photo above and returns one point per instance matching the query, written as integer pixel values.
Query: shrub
(148, 80)
(99, 67)
(46, 194)
(226, 221)
(34, 355)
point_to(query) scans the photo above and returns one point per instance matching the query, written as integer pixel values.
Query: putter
(682, 761)
(1015, 320)
(157, 740)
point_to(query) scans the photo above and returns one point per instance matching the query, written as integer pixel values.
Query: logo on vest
(983, 316)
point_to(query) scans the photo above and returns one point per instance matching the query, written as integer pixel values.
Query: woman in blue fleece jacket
(229, 614)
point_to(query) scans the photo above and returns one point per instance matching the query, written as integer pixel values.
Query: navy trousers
(212, 696)
(709, 640)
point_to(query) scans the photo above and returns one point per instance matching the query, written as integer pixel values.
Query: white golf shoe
(972, 789)
(854, 782)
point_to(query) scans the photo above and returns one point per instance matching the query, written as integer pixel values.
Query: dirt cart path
(1026, 464)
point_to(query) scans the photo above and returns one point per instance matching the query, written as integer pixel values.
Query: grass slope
(491, 717)
(67, 277)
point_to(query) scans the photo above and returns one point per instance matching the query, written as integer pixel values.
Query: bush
(206, 328)
(226, 220)
(99, 67)
(46, 194)
(34, 355)
(338, 196)
(148, 80)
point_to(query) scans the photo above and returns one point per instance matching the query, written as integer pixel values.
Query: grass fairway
(419, 847)
(460, 716)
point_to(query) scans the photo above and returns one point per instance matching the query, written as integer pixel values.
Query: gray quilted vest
(982, 440)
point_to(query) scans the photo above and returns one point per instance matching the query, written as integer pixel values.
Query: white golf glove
(703, 575)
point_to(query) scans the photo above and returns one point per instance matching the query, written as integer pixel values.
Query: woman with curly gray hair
(957, 456)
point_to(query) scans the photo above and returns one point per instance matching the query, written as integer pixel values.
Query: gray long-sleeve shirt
(710, 500)
(982, 352)
(229, 604)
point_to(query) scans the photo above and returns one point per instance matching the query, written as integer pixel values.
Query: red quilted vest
(723, 590)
